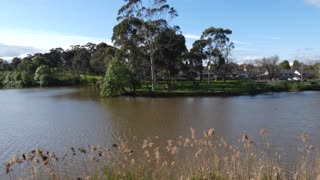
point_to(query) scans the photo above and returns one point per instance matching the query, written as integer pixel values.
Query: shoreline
(254, 90)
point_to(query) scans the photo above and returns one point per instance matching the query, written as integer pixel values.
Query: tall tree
(152, 16)
(40, 60)
(284, 65)
(14, 63)
(296, 65)
(170, 56)
(91, 47)
(197, 55)
(130, 47)
(81, 60)
(97, 61)
(218, 50)
(4, 65)
(27, 65)
(54, 57)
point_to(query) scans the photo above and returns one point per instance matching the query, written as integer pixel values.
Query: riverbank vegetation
(216, 88)
(147, 48)
(199, 156)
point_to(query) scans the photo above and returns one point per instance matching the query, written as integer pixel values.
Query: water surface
(58, 118)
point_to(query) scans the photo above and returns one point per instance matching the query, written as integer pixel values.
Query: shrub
(1, 79)
(278, 86)
(119, 79)
(43, 75)
(297, 86)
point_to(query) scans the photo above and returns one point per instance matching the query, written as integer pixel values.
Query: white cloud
(313, 2)
(248, 58)
(17, 43)
(14, 51)
(191, 36)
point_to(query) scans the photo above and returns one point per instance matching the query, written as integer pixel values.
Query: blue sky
(288, 28)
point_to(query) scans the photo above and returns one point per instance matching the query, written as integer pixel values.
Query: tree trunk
(153, 74)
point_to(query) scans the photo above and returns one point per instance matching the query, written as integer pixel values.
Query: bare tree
(269, 65)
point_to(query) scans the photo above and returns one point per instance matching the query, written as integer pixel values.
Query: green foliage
(43, 75)
(297, 86)
(119, 79)
(218, 49)
(27, 79)
(168, 58)
(284, 65)
(27, 65)
(142, 23)
(278, 86)
(296, 64)
(4, 65)
(81, 59)
(92, 80)
(39, 61)
(2, 76)
(16, 79)
(98, 59)
(288, 86)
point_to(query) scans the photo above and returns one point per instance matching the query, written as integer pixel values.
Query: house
(285, 74)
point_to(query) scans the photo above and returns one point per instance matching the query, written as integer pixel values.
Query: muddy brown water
(58, 118)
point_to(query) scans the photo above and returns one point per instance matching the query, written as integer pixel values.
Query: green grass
(90, 79)
(229, 87)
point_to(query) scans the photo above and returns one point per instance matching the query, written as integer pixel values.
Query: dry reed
(208, 157)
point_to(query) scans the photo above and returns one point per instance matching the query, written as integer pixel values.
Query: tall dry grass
(205, 157)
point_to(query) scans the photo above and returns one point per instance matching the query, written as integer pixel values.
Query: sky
(261, 28)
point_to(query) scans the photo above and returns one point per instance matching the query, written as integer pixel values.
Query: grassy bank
(90, 80)
(205, 156)
(221, 88)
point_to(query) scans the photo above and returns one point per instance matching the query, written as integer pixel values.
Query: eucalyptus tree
(14, 63)
(67, 57)
(197, 55)
(4, 65)
(150, 17)
(54, 57)
(97, 61)
(40, 60)
(285, 65)
(170, 56)
(27, 65)
(218, 50)
(81, 60)
(130, 49)
(296, 65)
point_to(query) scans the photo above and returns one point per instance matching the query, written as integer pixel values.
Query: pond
(58, 118)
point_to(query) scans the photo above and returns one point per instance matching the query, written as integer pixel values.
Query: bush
(1, 79)
(278, 86)
(43, 75)
(297, 86)
(17, 79)
(119, 79)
